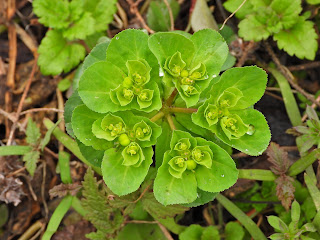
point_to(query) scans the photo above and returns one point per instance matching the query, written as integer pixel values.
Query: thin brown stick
(227, 19)
(142, 194)
(165, 231)
(134, 10)
(43, 185)
(27, 40)
(170, 15)
(41, 110)
(313, 106)
(304, 66)
(16, 172)
(275, 89)
(12, 38)
(24, 95)
(274, 95)
(123, 15)
(245, 54)
(8, 115)
(48, 150)
(288, 75)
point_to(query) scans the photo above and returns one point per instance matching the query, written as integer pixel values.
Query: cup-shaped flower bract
(132, 155)
(189, 64)
(190, 165)
(228, 112)
(123, 81)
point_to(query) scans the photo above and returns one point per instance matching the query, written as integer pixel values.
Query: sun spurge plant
(70, 22)
(130, 95)
(280, 19)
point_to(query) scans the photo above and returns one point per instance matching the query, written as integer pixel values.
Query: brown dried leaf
(278, 158)
(62, 190)
(285, 190)
(10, 190)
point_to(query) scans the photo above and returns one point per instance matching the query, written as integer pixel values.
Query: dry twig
(288, 75)
(134, 10)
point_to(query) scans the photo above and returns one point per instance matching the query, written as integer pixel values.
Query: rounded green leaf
(165, 44)
(132, 44)
(211, 50)
(221, 175)
(251, 81)
(92, 155)
(82, 121)
(171, 190)
(254, 142)
(96, 84)
(122, 179)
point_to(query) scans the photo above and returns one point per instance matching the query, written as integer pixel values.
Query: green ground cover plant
(280, 19)
(127, 102)
(70, 22)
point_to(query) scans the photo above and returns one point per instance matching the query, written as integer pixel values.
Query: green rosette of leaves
(189, 62)
(280, 19)
(192, 164)
(229, 114)
(126, 140)
(127, 80)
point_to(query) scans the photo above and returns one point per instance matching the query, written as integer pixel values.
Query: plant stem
(158, 116)
(247, 222)
(171, 123)
(172, 97)
(182, 110)
(304, 162)
(69, 143)
(257, 174)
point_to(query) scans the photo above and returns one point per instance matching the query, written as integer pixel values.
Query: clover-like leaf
(123, 179)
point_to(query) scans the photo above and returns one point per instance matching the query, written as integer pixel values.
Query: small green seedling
(309, 133)
(293, 231)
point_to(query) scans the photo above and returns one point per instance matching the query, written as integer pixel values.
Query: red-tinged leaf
(278, 158)
(285, 190)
